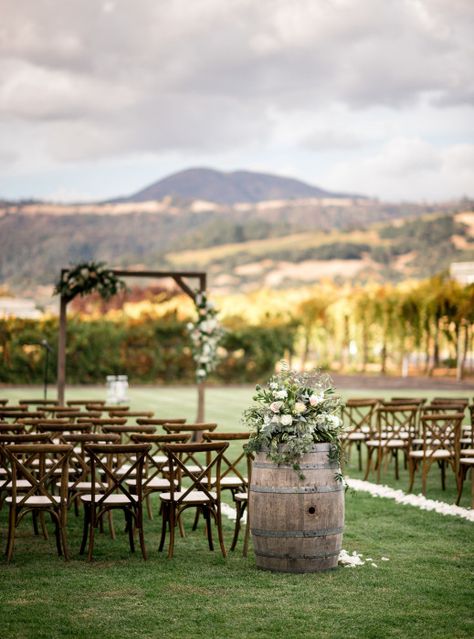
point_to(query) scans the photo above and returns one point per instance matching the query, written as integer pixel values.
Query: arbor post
(61, 381)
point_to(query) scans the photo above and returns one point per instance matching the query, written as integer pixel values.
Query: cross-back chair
(441, 444)
(156, 479)
(117, 495)
(358, 418)
(193, 490)
(396, 427)
(39, 496)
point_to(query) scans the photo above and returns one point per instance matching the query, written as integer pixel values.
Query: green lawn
(425, 590)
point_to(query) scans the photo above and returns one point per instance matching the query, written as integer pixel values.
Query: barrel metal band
(260, 532)
(333, 466)
(283, 490)
(278, 555)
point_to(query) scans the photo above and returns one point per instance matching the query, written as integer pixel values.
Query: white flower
(273, 386)
(286, 420)
(333, 420)
(201, 372)
(275, 406)
(281, 394)
(300, 408)
(316, 398)
(276, 419)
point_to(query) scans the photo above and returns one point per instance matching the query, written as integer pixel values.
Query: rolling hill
(228, 188)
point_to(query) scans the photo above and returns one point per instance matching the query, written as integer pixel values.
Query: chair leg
(461, 477)
(129, 526)
(238, 516)
(141, 535)
(247, 532)
(43, 525)
(443, 475)
(359, 452)
(62, 532)
(196, 519)
(370, 452)
(397, 470)
(57, 535)
(11, 532)
(207, 517)
(92, 527)
(412, 470)
(172, 519)
(111, 524)
(85, 528)
(34, 515)
(164, 523)
(220, 532)
(424, 473)
(149, 509)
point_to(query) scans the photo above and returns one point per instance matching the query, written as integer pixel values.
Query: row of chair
(101, 472)
(424, 433)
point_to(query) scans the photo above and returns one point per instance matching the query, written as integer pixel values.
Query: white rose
(300, 408)
(286, 420)
(316, 399)
(276, 419)
(275, 406)
(282, 394)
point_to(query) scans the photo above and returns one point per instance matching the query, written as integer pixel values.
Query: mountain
(228, 188)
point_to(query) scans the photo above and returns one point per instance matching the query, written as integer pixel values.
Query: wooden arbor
(180, 279)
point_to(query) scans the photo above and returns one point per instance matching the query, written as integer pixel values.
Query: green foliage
(88, 277)
(148, 350)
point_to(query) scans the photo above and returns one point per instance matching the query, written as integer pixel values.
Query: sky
(99, 98)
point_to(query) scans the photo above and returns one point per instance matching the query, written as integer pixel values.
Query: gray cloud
(93, 79)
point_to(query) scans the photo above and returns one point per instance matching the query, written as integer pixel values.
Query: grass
(425, 590)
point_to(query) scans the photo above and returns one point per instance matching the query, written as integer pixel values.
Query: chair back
(396, 423)
(103, 462)
(144, 421)
(233, 457)
(358, 416)
(156, 458)
(22, 458)
(195, 481)
(442, 432)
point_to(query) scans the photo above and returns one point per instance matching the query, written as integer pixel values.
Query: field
(426, 588)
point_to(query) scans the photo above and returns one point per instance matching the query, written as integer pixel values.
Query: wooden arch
(179, 277)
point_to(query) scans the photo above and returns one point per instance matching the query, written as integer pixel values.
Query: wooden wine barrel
(297, 524)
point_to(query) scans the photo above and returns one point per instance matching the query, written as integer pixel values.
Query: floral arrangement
(293, 412)
(206, 333)
(86, 278)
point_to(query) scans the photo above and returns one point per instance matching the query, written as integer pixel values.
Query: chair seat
(35, 501)
(468, 452)
(468, 461)
(194, 497)
(356, 437)
(160, 459)
(21, 484)
(230, 481)
(82, 486)
(387, 443)
(111, 500)
(437, 454)
(157, 483)
(241, 497)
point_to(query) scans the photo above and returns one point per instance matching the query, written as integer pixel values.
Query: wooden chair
(39, 497)
(441, 436)
(81, 483)
(466, 463)
(117, 496)
(396, 427)
(193, 490)
(196, 431)
(130, 413)
(86, 402)
(10, 429)
(106, 408)
(155, 463)
(153, 421)
(450, 400)
(99, 422)
(358, 418)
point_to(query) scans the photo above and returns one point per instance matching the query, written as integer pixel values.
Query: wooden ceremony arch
(179, 277)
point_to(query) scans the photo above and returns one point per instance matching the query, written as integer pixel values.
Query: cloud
(410, 166)
(93, 80)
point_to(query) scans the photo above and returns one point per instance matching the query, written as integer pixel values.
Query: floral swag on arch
(206, 333)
